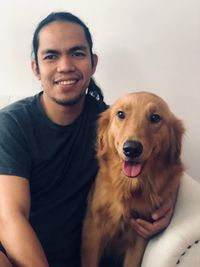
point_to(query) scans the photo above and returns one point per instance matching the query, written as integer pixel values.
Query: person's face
(64, 60)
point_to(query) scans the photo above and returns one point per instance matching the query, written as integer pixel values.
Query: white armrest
(179, 244)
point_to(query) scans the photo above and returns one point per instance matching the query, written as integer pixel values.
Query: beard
(69, 102)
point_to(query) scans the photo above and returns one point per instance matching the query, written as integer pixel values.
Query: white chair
(179, 244)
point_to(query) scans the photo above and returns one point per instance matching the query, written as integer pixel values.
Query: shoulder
(19, 105)
(18, 110)
(17, 118)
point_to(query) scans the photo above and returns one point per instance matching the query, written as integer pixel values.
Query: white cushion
(179, 244)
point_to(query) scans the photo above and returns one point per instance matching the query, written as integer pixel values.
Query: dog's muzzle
(132, 149)
(132, 166)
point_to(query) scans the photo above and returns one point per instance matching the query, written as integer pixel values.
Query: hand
(161, 217)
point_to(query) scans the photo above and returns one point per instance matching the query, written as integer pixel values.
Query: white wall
(151, 45)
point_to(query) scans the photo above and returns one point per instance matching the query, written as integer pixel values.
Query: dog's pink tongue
(131, 169)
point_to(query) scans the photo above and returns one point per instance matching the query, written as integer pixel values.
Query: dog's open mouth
(131, 169)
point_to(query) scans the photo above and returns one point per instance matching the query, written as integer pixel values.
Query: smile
(66, 82)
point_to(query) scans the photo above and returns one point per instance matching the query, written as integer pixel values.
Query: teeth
(67, 82)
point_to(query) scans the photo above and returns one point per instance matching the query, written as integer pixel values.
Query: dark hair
(93, 89)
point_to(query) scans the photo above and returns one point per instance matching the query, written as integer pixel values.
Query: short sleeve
(15, 158)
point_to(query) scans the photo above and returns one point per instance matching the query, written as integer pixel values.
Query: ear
(102, 133)
(176, 139)
(95, 61)
(35, 69)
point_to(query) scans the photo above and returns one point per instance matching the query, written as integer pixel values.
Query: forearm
(21, 242)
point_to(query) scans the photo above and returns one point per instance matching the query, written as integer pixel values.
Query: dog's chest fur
(118, 209)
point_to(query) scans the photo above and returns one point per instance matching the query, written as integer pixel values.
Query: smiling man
(65, 68)
(48, 163)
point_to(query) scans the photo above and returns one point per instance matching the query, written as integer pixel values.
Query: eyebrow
(71, 50)
(78, 47)
(49, 51)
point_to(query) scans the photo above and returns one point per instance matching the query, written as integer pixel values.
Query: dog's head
(139, 129)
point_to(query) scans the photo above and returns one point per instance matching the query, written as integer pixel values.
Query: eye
(50, 57)
(121, 114)
(155, 118)
(79, 54)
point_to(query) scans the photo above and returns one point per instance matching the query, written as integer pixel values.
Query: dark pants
(110, 262)
(105, 262)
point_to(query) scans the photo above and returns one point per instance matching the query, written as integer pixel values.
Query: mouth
(66, 82)
(132, 169)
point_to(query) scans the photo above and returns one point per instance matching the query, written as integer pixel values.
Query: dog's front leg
(133, 256)
(92, 244)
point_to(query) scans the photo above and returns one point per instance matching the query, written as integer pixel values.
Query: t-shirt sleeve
(15, 158)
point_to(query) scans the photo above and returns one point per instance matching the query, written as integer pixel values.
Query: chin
(69, 101)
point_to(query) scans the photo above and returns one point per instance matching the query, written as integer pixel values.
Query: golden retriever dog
(138, 149)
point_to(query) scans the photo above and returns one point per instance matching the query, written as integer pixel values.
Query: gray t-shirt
(59, 162)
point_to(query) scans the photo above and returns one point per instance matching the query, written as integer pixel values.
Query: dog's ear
(177, 131)
(102, 133)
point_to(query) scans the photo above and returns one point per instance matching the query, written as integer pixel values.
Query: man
(47, 157)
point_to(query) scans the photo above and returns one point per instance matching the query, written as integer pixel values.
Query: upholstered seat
(179, 244)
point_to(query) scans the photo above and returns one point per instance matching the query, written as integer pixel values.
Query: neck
(61, 114)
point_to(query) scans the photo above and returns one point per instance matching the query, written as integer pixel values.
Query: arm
(16, 234)
(162, 217)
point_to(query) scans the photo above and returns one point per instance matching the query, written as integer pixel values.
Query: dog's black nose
(132, 149)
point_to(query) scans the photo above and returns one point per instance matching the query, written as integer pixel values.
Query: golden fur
(132, 181)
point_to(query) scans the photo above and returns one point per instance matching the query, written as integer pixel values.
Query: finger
(167, 207)
(142, 231)
(147, 229)
(144, 234)
(162, 223)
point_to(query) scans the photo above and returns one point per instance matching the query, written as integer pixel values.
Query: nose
(65, 64)
(132, 148)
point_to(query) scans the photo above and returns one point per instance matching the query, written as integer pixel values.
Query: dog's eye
(121, 114)
(155, 118)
